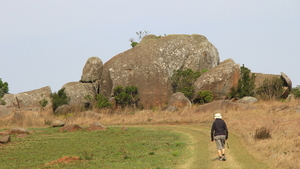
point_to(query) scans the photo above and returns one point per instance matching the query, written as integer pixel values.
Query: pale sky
(47, 42)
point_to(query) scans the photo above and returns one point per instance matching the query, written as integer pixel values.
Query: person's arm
(212, 132)
(226, 130)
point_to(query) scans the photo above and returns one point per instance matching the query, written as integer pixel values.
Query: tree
(3, 88)
(59, 98)
(127, 96)
(245, 85)
(183, 81)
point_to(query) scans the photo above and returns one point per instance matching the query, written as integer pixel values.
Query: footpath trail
(202, 152)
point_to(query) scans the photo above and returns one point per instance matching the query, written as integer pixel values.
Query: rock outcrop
(150, 65)
(219, 79)
(78, 91)
(223, 105)
(92, 70)
(287, 83)
(34, 100)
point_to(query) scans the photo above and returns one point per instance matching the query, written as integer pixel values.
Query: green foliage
(3, 88)
(140, 35)
(183, 81)
(271, 89)
(204, 97)
(59, 98)
(127, 96)
(245, 85)
(43, 102)
(296, 92)
(133, 44)
(103, 102)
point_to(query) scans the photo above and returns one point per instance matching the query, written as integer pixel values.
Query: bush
(103, 102)
(262, 133)
(3, 88)
(204, 97)
(59, 98)
(126, 97)
(183, 81)
(245, 85)
(43, 102)
(296, 92)
(271, 89)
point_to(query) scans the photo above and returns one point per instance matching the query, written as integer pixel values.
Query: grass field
(280, 150)
(112, 148)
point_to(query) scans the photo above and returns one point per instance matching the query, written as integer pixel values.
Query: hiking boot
(223, 158)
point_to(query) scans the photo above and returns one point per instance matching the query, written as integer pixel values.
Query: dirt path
(202, 152)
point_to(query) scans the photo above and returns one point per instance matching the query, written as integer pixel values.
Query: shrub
(59, 98)
(3, 88)
(262, 133)
(127, 96)
(204, 97)
(296, 92)
(103, 102)
(271, 89)
(43, 102)
(245, 85)
(183, 81)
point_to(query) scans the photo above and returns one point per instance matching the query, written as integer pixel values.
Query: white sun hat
(218, 116)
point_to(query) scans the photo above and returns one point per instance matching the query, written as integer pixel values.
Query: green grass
(113, 148)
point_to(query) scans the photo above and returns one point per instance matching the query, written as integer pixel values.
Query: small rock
(19, 130)
(5, 139)
(248, 100)
(70, 127)
(96, 126)
(57, 123)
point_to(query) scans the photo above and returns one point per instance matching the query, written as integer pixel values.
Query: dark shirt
(218, 128)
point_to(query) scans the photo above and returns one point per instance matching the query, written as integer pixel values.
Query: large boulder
(178, 101)
(150, 65)
(287, 83)
(92, 70)
(219, 80)
(78, 91)
(34, 100)
(261, 77)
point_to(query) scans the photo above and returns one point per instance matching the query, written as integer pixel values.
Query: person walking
(219, 133)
